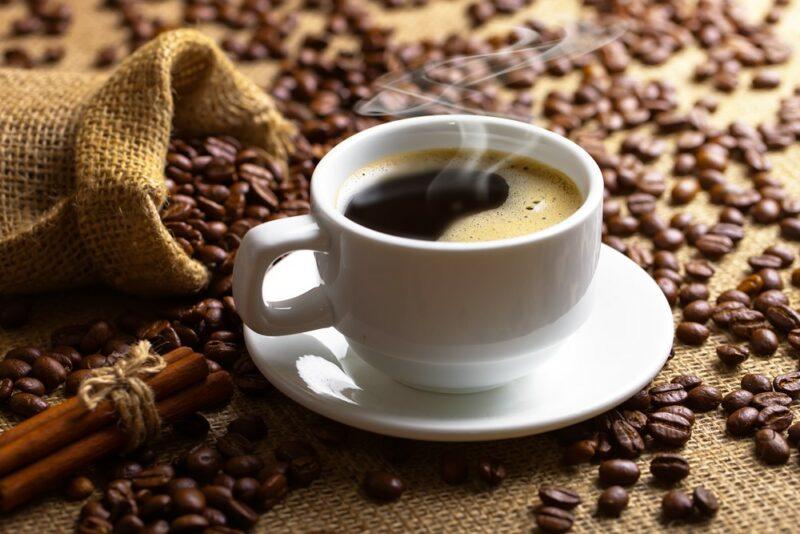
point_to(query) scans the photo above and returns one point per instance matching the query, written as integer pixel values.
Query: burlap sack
(82, 164)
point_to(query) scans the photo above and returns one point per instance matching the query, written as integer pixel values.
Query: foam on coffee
(514, 196)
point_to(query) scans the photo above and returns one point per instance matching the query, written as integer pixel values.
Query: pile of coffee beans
(218, 488)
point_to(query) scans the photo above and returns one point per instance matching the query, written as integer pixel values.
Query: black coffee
(454, 195)
(422, 205)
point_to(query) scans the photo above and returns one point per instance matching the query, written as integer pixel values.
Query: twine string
(123, 384)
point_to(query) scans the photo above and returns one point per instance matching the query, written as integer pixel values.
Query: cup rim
(589, 206)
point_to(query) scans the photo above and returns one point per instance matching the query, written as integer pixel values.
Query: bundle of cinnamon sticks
(44, 450)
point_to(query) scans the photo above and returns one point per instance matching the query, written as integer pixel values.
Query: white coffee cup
(441, 316)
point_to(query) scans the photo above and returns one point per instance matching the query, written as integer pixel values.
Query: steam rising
(453, 85)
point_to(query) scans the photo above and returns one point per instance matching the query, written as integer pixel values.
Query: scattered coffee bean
(561, 497)
(676, 504)
(383, 486)
(612, 501)
(552, 519)
(618, 472)
(771, 447)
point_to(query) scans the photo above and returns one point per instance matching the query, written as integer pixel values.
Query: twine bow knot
(123, 384)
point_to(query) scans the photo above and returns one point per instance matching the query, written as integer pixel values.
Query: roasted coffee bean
(751, 285)
(692, 292)
(705, 502)
(698, 311)
(563, 498)
(678, 409)
(26, 354)
(455, 469)
(612, 501)
(6, 388)
(715, 246)
(193, 426)
(635, 418)
(699, 269)
(783, 317)
(794, 434)
(669, 468)
(49, 371)
(736, 399)
(188, 501)
(676, 504)
(233, 444)
(771, 398)
(553, 519)
(742, 421)
(735, 296)
(239, 514)
(731, 354)
(776, 417)
(669, 428)
(793, 338)
(704, 398)
(756, 383)
(253, 427)
(627, 438)
(772, 282)
(26, 404)
(30, 385)
(242, 466)
(14, 369)
(771, 447)
(667, 394)
(691, 333)
(768, 299)
(78, 488)
(763, 342)
(579, 452)
(203, 462)
(383, 486)
(687, 381)
(788, 383)
(618, 472)
(490, 471)
(153, 477)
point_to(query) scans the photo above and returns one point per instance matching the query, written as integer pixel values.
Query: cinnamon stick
(45, 474)
(77, 422)
(70, 407)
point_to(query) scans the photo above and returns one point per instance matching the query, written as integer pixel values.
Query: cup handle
(259, 249)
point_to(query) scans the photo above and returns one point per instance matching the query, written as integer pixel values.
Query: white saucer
(618, 350)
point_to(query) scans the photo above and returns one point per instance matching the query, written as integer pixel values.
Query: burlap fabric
(82, 173)
(753, 497)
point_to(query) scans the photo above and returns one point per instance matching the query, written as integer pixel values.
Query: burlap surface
(753, 496)
(82, 168)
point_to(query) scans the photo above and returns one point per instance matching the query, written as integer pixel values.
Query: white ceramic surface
(622, 345)
(439, 316)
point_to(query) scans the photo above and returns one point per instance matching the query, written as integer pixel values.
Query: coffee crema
(458, 195)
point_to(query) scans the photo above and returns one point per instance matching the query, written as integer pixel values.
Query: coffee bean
(742, 421)
(78, 488)
(698, 311)
(715, 246)
(193, 426)
(678, 409)
(771, 398)
(383, 486)
(704, 398)
(14, 369)
(691, 333)
(627, 438)
(699, 269)
(579, 452)
(705, 502)
(771, 447)
(6, 388)
(612, 501)
(676, 504)
(687, 381)
(455, 469)
(793, 338)
(203, 462)
(794, 434)
(153, 477)
(669, 468)
(788, 384)
(490, 471)
(768, 299)
(233, 444)
(272, 490)
(240, 514)
(242, 466)
(756, 383)
(553, 519)
(667, 394)
(188, 501)
(618, 472)
(776, 417)
(26, 404)
(763, 342)
(30, 385)
(731, 354)
(669, 429)
(563, 498)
